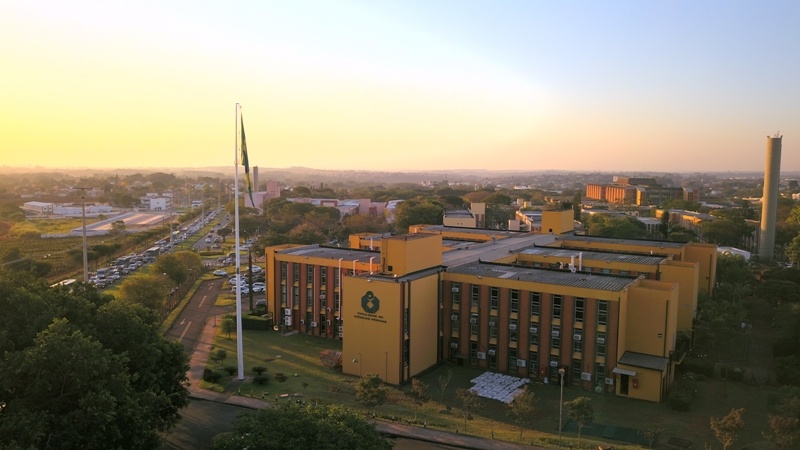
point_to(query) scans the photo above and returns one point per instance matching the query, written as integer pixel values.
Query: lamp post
(560, 402)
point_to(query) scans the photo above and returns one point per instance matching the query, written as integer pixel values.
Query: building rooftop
(622, 241)
(546, 276)
(590, 255)
(334, 253)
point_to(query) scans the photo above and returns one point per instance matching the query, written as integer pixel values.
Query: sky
(675, 86)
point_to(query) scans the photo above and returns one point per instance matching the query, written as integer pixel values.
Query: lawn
(297, 356)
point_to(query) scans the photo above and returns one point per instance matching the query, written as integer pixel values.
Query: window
(296, 271)
(602, 312)
(534, 336)
(577, 341)
(336, 299)
(605, 270)
(492, 357)
(580, 305)
(309, 273)
(284, 270)
(406, 320)
(514, 296)
(406, 354)
(492, 329)
(323, 275)
(533, 364)
(601, 344)
(456, 293)
(296, 296)
(600, 373)
(475, 297)
(577, 370)
(512, 360)
(513, 332)
(556, 306)
(494, 298)
(283, 296)
(555, 337)
(323, 301)
(624, 272)
(309, 296)
(536, 299)
(473, 353)
(474, 326)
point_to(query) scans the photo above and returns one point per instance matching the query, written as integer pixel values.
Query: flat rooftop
(621, 241)
(591, 255)
(546, 276)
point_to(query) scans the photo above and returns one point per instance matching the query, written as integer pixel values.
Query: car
(244, 289)
(259, 287)
(208, 240)
(220, 272)
(257, 269)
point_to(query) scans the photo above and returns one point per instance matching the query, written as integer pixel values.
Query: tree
(322, 427)
(469, 402)
(149, 291)
(613, 226)
(172, 267)
(444, 380)
(220, 355)
(651, 434)
(227, 325)
(117, 228)
(224, 232)
(784, 432)
(417, 212)
(370, 391)
(418, 393)
(725, 429)
(84, 370)
(576, 206)
(580, 410)
(522, 408)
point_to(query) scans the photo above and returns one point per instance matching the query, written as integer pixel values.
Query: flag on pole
(246, 165)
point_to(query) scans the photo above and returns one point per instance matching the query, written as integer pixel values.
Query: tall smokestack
(769, 203)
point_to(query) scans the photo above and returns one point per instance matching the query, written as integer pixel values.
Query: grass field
(297, 356)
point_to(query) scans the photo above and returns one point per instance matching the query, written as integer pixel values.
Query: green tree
(417, 212)
(171, 266)
(616, 226)
(149, 291)
(83, 370)
(444, 380)
(117, 228)
(784, 432)
(581, 411)
(227, 325)
(370, 391)
(469, 402)
(523, 408)
(224, 232)
(725, 429)
(321, 427)
(418, 394)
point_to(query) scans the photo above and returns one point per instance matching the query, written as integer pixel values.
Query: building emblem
(370, 303)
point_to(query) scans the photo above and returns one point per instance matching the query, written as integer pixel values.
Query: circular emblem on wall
(370, 303)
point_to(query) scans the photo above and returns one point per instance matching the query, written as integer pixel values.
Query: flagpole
(239, 351)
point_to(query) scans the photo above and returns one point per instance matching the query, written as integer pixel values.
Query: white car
(220, 272)
(244, 289)
(259, 287)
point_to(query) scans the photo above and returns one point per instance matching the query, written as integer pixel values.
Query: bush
(701, 366)
(230, 369)
(211, 376)
(261, 379)
(681, 395)
(258, 370)
(280, 377)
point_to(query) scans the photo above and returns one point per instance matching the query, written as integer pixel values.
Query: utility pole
(85, 249)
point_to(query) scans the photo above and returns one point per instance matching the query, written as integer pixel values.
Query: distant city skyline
(410, 86)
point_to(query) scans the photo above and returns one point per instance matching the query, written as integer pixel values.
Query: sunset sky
(408, 85)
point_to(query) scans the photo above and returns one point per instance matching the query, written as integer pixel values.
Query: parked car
(243, 289)
(259, 287)
(220, 272)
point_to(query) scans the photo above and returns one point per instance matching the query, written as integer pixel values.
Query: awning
(631, 373)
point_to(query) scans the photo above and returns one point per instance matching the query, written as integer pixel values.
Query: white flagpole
(239, 351)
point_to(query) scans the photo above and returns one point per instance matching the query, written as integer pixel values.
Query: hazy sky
(375, 85)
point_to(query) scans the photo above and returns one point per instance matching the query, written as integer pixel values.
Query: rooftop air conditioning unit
(521, 363)
(481, 355)
(454, 345)
(473, 320)
(454, 317)
(577, 337)
(609, 381)
(492, 352)
(512, 327)
(313, 324)
(533, 330)
(492, 323)
(553, 363)
(455, 289)
(586, 376)
(601, 340)
(555, 334)
(287, 312)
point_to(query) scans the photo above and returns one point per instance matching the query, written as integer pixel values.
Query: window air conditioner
(287, 312)
(512, 327)
(454, 345)
(322, 296)
(533, 330)
(492, 352)
(287, 321)
(455, 289)
(473, 320)
(609, 381)
(555, 334)
(481, 355)
(302, 322)
(454, 317)
(577, 337)
(586, 376)
(521, 363)
(492, 323)
(601, 340)
(313, 324)
(553, 363)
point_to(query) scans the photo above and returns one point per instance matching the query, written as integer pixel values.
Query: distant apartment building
(273, 190)
(635, 191)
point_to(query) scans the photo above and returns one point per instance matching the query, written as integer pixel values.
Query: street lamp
(560, 403)
(357, 360)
